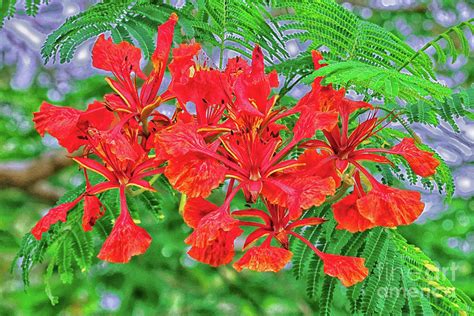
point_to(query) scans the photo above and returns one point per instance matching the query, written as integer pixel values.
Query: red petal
(236, 67)
(95, 166)
(422, 162)
(264, 259)
(179, 139)
(93, 210)
(121, 59)
(208, 90)
(97, 116)
(347, 107)
(310, 221)
(195, 174)
(61, 123)
(116, 103)
(319, 164)
(182, 63)
(58, 213)
(218, 252)
(213, 239)
(213, 226)
(310, 122)
(119, 146)
(350, 270)
(195, 209)
(126, 239)
(390, 207)
(297, 192)
(361, 155)
(347, 215)
(159, 59)
(69, 126)
(252, 89)
(317, 57)
(256, 235)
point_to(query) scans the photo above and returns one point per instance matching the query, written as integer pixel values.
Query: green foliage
(8, 8)
(447, 39)
(237, 26)
(348, 38)
(218, 23)
(456, 106)
(390, 83)
(402, 279)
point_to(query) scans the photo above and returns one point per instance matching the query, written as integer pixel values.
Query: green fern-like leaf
(8, 8)
(327, 24)
(448, 37)
(216, 23)
(386, 82)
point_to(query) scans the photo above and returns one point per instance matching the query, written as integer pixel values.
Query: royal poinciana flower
(122, 59)
(115, 132)
(278, 226)
(382, 205)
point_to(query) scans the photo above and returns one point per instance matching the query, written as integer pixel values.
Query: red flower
(117, 133)
(93, 209)
(277, 225)
(246, 146)
(252, 88)
(125, 162)
(388, 207)
(122, 59)
(206, 88)
(264, 259)
(192, 167)
(126, 239)
(322, 106)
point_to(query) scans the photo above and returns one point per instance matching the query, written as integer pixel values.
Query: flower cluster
(226, 131)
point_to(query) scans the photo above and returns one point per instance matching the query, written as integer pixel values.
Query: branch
(31, 175)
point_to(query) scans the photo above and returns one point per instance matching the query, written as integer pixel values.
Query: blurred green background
(165, 280)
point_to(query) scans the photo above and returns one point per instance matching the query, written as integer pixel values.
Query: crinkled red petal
(349, 270)
(195, 209)
(422, 162)
(347, 214)
(264, 259)
(56, 214)
(195, 175)
(93, 210)
(390, 207)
